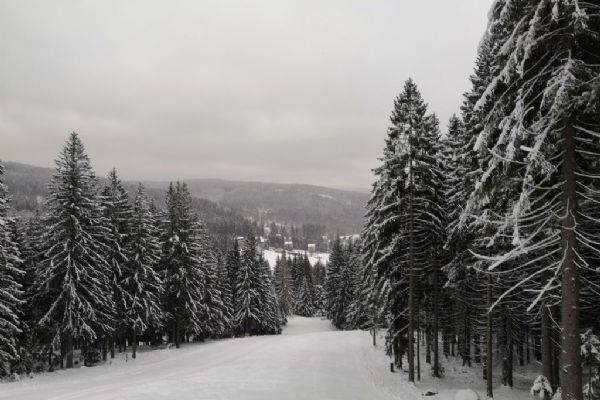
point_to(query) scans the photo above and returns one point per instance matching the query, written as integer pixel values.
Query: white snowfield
(271, 256)
(308, 361)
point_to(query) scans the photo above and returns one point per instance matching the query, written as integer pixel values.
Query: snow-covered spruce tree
(297, 274)
(182, 274)
(224, 286)
(72, 281)
(304, 295)
(24, 276)
(232, 265)
(10, 290)
(216, 319)
(304, 303)
(541, 130)
(406, 210)
(359, 290)
(140, 278)
(248, 302)
(29, 249)
(283, 287)
(118, 214)
(347, 292)
(333, 279)
(463, 162)
(318, 272)
(365, 310)
(466, 285)
(268, 299)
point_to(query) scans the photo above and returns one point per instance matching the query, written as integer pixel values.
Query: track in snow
(308, 361)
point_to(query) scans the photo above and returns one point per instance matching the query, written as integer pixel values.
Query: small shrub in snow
(557, 395)
(541, 388)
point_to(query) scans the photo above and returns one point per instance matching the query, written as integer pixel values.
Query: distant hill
(340, 211)
(28, 186)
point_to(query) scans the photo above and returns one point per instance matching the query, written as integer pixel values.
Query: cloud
(285, 91)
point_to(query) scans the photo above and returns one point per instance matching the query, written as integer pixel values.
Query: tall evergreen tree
(73, 273)
(182, 272)
(304, 305)
(248, 302)
(541, 119)
(118, 214)
(232, 266)
(283, 286)
(10, 290)
(217, 318)
(141, 281)
(270, 317)
(404, 233)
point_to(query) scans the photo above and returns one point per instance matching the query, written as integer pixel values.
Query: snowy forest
(480, 244)
(98, 271)
(486, 238)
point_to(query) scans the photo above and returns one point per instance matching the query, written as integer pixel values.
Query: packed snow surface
(308, 361)
(271, 256)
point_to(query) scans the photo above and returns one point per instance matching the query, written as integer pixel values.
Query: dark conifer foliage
(182, 269)
(117, 211)
(284, 286)
(11, 293)
(484, 238)
(73, 280)
(257, 311)
(140, 278)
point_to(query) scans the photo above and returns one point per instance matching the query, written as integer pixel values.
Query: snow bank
(466, 394)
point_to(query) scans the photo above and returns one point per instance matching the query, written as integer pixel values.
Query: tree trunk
(134, 343)
(488, 339)
(570, 371)
(527, 349)
(521, 346)
(546, 349)
(435, 324)
(112, 346)
(411, 286)
(477, 347)
(176, 333)
(104, 348)
(556, 354)
(62, 354)
(418, 349)
(69, 349)
(507, 351)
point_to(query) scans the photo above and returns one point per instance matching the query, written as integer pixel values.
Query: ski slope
(308, 361)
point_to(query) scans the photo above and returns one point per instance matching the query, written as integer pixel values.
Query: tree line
(299, 286)
(96, 271)
(486, 238)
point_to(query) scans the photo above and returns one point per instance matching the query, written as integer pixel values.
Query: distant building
(312, 248)
(240, 241)
(288, 245)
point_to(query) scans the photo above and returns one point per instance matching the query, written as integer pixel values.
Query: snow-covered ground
(308, 361)
(272, 254)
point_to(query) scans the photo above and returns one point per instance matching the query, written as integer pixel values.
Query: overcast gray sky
(281, 91)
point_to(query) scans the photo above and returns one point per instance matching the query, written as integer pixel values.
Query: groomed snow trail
(308, 361)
